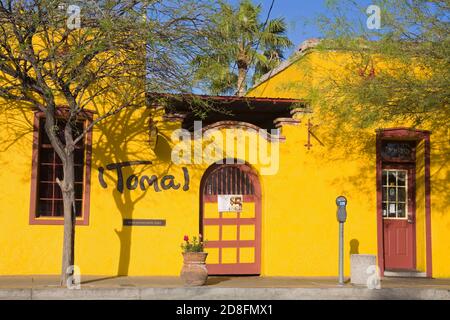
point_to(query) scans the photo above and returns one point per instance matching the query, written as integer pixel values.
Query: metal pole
(341, 253)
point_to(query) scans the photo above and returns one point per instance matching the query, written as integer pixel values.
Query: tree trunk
(242, 75)
(67, 185)
(68, 192)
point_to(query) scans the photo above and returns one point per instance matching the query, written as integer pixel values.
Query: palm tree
(240, 44)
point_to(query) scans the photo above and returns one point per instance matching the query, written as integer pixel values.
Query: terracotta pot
(194, 272)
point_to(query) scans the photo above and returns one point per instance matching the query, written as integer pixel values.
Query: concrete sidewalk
(224, 288)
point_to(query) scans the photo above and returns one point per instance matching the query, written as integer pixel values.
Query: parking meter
(341, 215)
(341, 202)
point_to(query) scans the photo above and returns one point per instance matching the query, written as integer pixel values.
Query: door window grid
(394, 194)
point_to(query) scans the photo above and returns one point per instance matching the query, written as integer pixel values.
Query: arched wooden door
(234, 236)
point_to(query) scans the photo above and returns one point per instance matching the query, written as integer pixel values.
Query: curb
(205, 293)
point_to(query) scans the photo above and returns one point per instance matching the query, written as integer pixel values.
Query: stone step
(404, 274)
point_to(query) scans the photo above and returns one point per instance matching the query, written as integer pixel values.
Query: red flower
(186, 238)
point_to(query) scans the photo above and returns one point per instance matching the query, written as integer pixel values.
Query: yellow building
(268, 209)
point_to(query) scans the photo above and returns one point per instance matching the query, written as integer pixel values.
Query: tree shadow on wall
(348, 108)
(125, 138)
(346, 140)
(17, 128)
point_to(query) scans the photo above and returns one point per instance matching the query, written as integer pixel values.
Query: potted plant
(194, 272)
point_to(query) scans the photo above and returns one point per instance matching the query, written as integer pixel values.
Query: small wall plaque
(144, 222)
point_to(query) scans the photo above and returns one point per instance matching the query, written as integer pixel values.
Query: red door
(233, 236)
(398, 209)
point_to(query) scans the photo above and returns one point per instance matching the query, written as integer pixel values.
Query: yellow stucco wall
(299, 228)
(347, 159)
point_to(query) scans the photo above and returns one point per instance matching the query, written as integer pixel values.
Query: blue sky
(299, 15)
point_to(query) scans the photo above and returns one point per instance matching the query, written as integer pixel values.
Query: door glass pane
(392, 210)
(394, 193)
(392, 179)
(401, 194)
(401, 178)
(384, 209)
(384, 194)
(401, 213)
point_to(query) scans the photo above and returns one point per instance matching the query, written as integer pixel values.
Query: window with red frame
(49, 196)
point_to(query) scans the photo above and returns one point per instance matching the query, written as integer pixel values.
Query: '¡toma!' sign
(133, 181)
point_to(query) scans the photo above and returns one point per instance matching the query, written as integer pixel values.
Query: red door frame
(239, 268)
(404, 134)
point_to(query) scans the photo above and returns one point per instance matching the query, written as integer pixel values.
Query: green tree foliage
(240, 45)
(402, 68)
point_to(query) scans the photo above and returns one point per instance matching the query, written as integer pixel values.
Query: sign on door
(230, 203)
